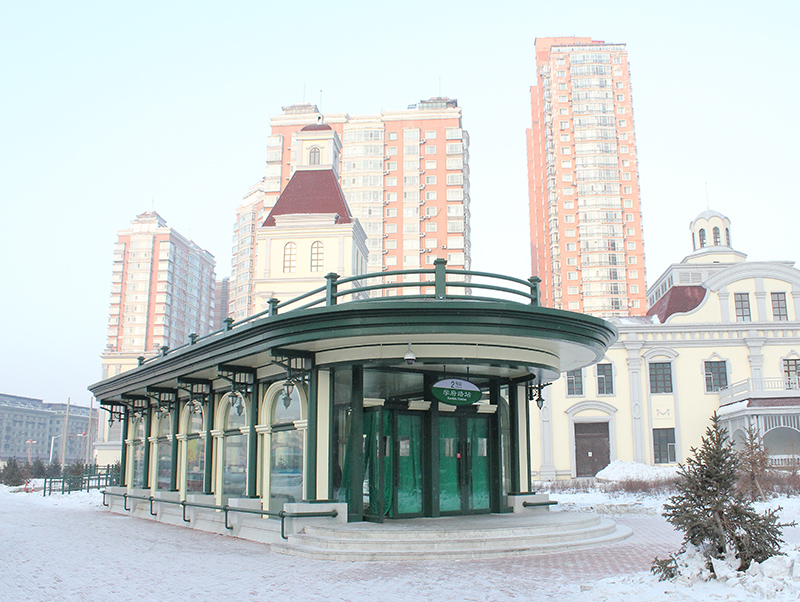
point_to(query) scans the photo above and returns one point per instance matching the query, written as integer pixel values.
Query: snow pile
(76, 499)
(777, 578)
(634, 471)
(613, 504)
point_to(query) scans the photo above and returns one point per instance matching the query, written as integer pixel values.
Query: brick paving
(70, 554)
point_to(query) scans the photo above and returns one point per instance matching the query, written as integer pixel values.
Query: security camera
(409, 356)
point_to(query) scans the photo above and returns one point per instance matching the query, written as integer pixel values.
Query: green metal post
(331, 288)
(529, 482)
(123, 456)
(495, 442)
(534, 280)
(208, 463)
(431, 475)
(313, 429)
(173, 473)
(355, 511)
(252, 444)
(440, 278)
(273, 307)
(148, 424)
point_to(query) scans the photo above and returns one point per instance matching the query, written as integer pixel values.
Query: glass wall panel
(286, 468)
(409, 464)
(449, 494)
(234, 471)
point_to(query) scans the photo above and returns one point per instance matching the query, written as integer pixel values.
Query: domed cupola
(710, 229)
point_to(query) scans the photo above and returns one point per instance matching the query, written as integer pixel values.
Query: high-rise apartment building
(162, 291)
(404, 174)
(586, 224)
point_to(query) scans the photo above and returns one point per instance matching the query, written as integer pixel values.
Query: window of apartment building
(623, 148)
(575, 382)
(572, 290)
(453, 133)
(391, 181)
(562, 86)
(572, 261)
(431, 211)
(317, 256)
(573, 305)
(630, 231)
(562, 98)
(633, 259)
(605, 379)
(455, 226)
(563, 111)
(391, 165)
(430, 134)
(626, 175)
(391, 228)
(572, 275)
(564, 137)
(566, 163)
(290, 257)
(430, 149)
(431, 227)
(716, 375)
(455, 194)
(618, 84)
(566, 150)
(430, 164)
(632, 245)
(629, 217)
(392, 136)
(620, 97)
(634, 289)
(664, 446)
(568, 204)
(628, 203)
(623, 123)
(569, 219)
(391, 150)
(430, 179)
(660, 377)
(742, 303)
(571, 246)
(455, 179)
(430, 195)
(391, 197)
(779, 311)
(391, 212)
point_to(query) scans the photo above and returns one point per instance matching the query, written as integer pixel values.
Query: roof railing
(444, 282)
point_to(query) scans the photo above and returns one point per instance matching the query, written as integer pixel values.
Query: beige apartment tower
(162, 291)
(585, 214)
(405, 178)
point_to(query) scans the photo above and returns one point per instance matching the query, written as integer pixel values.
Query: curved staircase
(483, 536)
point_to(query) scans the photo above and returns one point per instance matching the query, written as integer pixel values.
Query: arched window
(313, 155)
(317, 256)
(290, 257)
(234, 447)
(702, 237)
(717, 239)
(728, 236)
(139, 438)
(195, 449)
(164, 451)
(285, 442)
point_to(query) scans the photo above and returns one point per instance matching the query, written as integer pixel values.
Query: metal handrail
(332, 294)
(282, 514)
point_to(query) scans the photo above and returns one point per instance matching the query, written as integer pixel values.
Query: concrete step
(356, 542)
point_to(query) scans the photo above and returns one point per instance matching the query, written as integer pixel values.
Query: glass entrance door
(463, 464)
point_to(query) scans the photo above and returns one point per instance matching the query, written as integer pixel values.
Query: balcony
(762, 388)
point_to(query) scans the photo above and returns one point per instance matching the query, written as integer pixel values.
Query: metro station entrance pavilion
(415, 405)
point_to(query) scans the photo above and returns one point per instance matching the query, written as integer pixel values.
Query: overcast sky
(110, 109)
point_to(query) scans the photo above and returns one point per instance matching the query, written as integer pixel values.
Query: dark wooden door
(592, 449)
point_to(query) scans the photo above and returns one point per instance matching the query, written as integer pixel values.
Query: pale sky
(110, 109)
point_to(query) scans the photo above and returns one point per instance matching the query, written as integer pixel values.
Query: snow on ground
(67, 547)
(634, 471)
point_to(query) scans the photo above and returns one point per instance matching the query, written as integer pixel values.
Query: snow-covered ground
(67, 547)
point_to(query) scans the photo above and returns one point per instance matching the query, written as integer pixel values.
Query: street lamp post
(52, 440)
(30, 443)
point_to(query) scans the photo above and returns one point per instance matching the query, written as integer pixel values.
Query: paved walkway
(84, 554)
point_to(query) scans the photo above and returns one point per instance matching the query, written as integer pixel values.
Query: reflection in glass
(286, 468)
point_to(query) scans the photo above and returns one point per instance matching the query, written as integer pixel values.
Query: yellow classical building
(722, 334)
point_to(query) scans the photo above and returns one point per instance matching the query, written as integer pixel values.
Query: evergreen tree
(711, 511)
(38, 468)
(14, 473)
(53, 470)
(753, 464)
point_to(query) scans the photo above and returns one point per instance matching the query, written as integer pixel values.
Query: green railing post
(124, 451)
(440, 278)
(331, 288)
(273, 307)
(252, 443)
(148, 425)
(228, 323)
(173, 452)
(534, 280)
